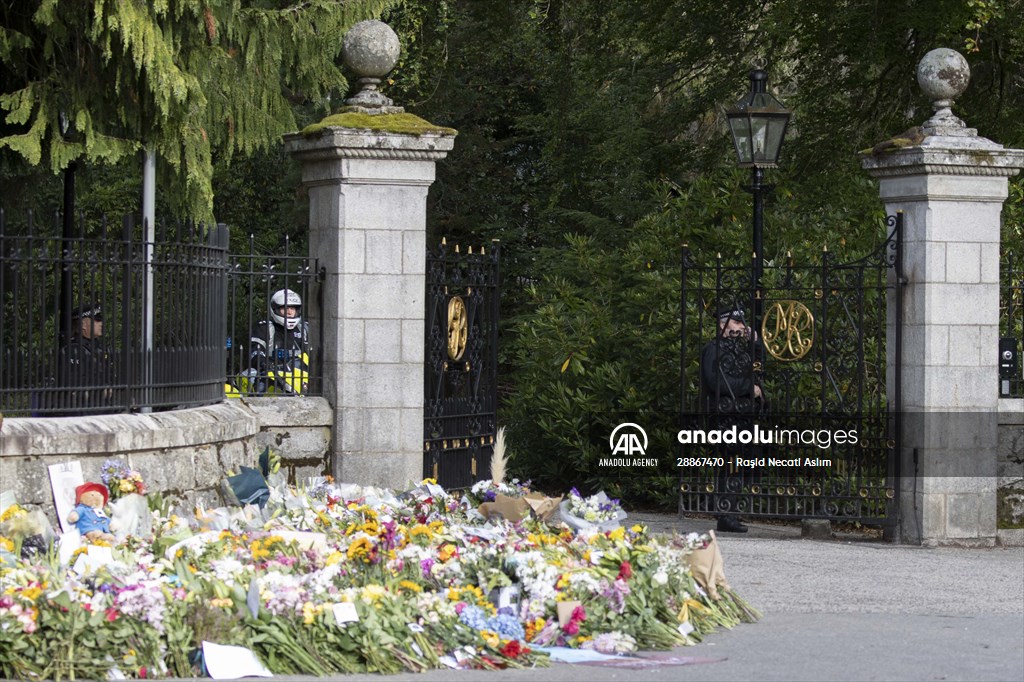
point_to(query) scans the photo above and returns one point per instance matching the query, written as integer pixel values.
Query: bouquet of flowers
(355, 579)
(121, 480)
(597, 513)
(488, 490)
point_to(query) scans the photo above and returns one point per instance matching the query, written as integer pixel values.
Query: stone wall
(1010, 469)
(184, 453)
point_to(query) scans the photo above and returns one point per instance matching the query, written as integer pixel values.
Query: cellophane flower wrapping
(337, 578)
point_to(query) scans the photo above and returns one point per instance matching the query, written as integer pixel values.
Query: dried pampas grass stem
(498, 459)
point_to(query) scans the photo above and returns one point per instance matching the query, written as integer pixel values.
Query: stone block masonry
(182, 454)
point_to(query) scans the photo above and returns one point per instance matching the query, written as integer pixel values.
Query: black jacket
(727, 377)
(273, 347)
(87, 375)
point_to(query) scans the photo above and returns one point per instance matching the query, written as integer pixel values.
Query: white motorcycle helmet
(286, 298)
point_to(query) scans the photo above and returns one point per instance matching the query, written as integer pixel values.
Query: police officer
(279, 347)
(85, 365)
(732, 394)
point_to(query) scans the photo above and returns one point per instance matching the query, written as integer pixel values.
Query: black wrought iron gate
(821, 439)
(461, 358)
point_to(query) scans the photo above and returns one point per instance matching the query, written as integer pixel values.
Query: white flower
(660, 577)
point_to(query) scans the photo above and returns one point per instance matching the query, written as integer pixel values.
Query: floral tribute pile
(340, 579)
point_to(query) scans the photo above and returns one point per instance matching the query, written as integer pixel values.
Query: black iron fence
(786, 411)
(461, 354)
(291, 362)
(1011, 325)
(96, 319)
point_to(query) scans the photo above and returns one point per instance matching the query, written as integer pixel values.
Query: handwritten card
(64, 478)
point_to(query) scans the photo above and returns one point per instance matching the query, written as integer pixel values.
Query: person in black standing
(732, 394)
(85, 365)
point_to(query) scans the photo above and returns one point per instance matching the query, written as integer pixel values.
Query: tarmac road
(838, 610)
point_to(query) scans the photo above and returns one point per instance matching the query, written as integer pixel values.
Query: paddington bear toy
(88, 515)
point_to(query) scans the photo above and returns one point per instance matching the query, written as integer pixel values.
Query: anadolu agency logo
(628, 443)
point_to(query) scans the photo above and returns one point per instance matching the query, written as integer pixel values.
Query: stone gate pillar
(367, 170)
(950, 185)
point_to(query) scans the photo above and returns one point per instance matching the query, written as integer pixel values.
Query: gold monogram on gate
(788, 330)
(458, 330)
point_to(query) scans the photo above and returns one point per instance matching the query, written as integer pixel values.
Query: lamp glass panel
(759, 138)
(739, 126)
(776, 131)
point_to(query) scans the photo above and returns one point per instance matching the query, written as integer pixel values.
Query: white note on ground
(225, 662)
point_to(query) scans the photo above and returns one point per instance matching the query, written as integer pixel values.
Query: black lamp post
(68, 233)
(758, 125)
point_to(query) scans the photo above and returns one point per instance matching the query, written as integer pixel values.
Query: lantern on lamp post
(758, 126)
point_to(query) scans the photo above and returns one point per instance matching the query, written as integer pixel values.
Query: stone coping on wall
(1011, 410)
(226, 421)
(291, 411)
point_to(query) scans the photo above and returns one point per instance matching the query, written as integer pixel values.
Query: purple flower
(425, 566)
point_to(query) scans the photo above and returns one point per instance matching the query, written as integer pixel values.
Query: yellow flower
(11, 512)
(637, 528)
(410, 585)
(258, 550)
(617, 534)
(221, 603)
(31, 593)
(6, 544)
(533, 627)
(446, 552)
(126, 486)
(360, 549)
(370, 527)
(310, 611)
(437, 526)
(372, 593)
(333, 558)
(420, 529)
(425, 481)
(491, 638)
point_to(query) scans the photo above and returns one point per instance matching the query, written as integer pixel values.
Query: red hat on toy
(92, 487)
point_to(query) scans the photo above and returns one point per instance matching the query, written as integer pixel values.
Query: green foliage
(189, 79)
(591, 142)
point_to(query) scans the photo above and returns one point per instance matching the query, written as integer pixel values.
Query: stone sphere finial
(371, 50)
(943, 74)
